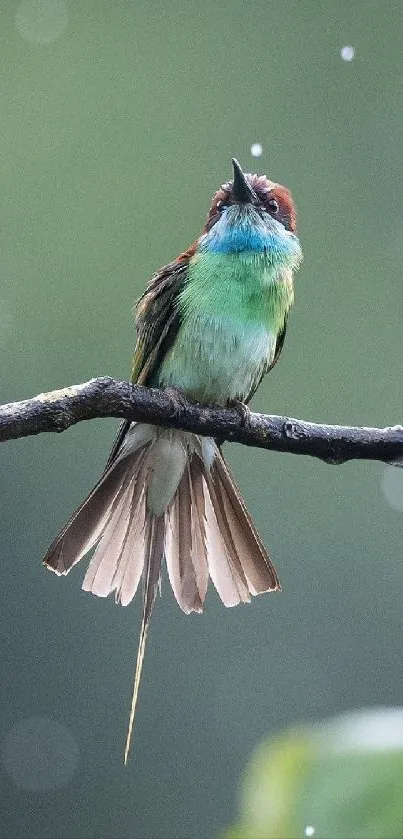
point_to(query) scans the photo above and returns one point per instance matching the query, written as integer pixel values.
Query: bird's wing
(157, 323)
(157, 319)
(269, 365)
(279, 347)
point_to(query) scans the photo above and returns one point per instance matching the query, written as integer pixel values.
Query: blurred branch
(107, 397)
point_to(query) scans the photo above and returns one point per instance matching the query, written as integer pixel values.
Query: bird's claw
(241, 408)
(177, 398)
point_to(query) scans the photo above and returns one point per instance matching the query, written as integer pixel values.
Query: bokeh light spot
(39, 754)
(347, 53)
(392, 487)
(309, 831)
(42, 21)
(369, 730)
(256, 150)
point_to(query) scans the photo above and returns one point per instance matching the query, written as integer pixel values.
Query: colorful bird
(209, 325)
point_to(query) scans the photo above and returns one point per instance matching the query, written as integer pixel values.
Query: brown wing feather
(158, 319)
(157, 324)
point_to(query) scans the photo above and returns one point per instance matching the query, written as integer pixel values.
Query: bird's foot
(241, 408)
(178, 398)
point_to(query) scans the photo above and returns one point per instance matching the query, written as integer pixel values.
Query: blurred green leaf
(344, 778)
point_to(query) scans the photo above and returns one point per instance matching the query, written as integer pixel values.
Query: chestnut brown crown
(265, 195)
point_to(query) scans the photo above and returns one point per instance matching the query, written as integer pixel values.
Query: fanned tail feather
(166, 494)
(247, 545)
(185, 549)
(198, 527)
(122, 540)
(86, 526)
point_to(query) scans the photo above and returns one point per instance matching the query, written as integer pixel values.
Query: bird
(210, 325)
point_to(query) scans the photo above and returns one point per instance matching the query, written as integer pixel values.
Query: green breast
(233, 306)
(246, 286)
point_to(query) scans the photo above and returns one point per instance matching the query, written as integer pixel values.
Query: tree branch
(107, 397)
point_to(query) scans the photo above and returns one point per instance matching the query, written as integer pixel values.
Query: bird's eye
(221, 206)
(272, 205)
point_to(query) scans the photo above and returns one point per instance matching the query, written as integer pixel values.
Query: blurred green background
(118, 121)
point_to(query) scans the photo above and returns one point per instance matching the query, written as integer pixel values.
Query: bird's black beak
(241, 190)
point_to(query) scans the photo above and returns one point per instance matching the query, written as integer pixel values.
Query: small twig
(107, 397)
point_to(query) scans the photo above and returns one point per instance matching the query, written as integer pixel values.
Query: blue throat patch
(244, 235)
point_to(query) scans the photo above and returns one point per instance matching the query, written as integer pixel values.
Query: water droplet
(40, 754)
(347, 53)
(256, 150)
(392, 487)
(41, 21)
(309, 830)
